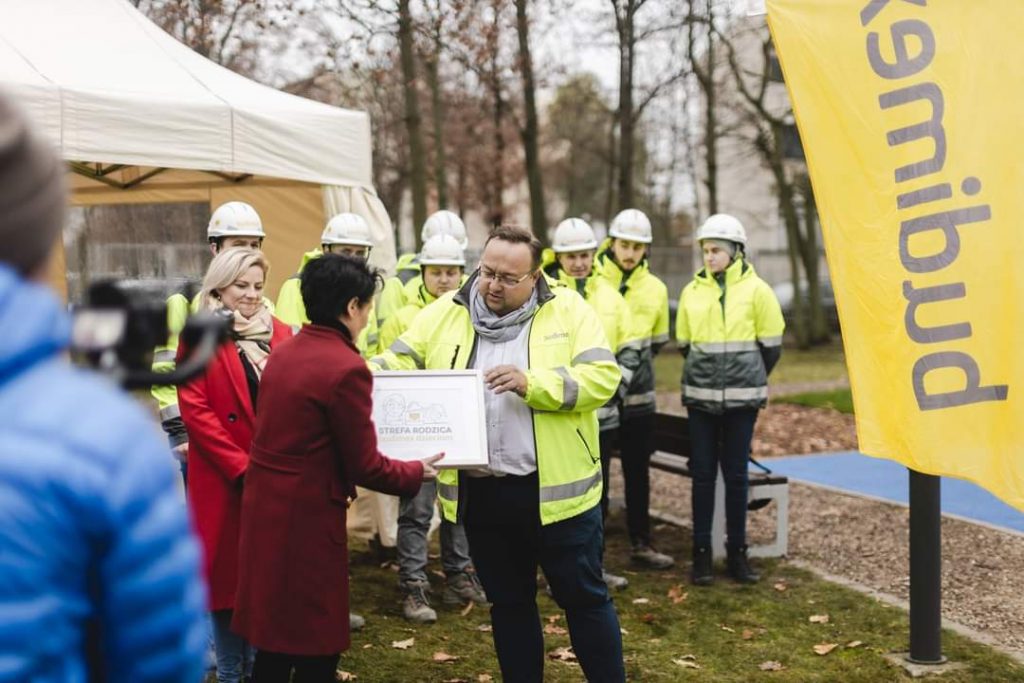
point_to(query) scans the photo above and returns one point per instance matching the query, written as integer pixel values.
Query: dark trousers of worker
(274, 667)
(608, 443)
(636, 444)
(507, 542)
(720, 441)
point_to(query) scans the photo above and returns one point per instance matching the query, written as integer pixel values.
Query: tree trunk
(627, 118)
(497, 212)
(711, 121)
(610, 200)
(819, 332)
(772, 151)
(413, 121)
(437, 111)
(530, 132)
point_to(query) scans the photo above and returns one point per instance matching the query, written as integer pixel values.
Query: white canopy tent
(141, 118)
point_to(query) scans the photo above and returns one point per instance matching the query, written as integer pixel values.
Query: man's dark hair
(518, 235)
(331, 281)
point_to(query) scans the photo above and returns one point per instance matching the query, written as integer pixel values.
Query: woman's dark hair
(331, 281)
(517, 235)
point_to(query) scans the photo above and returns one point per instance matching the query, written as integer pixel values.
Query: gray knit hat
(33, 195)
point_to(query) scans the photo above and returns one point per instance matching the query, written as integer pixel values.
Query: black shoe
(739, 566)
(700, 574)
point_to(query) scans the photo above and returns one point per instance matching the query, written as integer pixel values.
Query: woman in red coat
(217, 409)
(314, 443)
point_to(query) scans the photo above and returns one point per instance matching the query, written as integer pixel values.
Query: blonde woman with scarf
(218, 409)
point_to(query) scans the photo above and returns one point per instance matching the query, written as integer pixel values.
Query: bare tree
(703, 68)
(531, 129)
(773, 130)
(630, 35)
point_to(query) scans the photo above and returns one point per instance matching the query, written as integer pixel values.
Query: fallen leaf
(623, 631)
(726, 628)
(403, 644)
(747, 634)
(554, 630)
(444, 657)
(647, 618)
(485, 628)
(554, 617)
(686, 663)
(677, 594)
(344, 675)
(367, 646)
(654, 641)
(824, 648)
(439, 574)
(484, 678)
(641, 601)
(468, 608)
(818, 619)
(781, 587)
(562, 654)
(770, 665)
(691, 658)
(854, 643)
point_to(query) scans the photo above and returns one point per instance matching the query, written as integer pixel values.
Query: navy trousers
(720, 441)
(507, 543)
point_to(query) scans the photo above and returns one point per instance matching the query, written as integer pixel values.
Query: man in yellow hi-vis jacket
(623, 262)
(346, 233)
(400, 290)
(548, 368)
(570, 262)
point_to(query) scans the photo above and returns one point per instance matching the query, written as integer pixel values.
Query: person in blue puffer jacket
(99, 573)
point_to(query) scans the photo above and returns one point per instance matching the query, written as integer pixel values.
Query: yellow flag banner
(911, 113)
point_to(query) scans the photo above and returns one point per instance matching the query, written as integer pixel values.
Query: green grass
(839, 399)
(819, 364)
(729, 630)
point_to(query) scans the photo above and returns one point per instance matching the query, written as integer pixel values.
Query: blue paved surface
(887, 479)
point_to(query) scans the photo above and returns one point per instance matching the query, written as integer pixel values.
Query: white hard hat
(347, 228)
(442, 250)
(573, 234)
(235, 219)
(722, 226)
(445, 223)
(632, 225)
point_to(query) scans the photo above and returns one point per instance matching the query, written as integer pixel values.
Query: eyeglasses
(503, 280)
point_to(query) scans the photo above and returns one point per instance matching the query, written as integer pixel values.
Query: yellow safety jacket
(291, 310)
(647, 299)
(623, 337)
(396, 324)
(571, 374)
(179, 308)
(725, 330)
(396, 292)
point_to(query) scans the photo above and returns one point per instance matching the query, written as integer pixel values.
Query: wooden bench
(672, 453)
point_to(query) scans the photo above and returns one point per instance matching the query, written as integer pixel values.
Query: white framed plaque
(422, 412)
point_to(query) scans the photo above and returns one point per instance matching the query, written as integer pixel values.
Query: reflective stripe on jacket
(572, 373)
(722, 331)
(291, 311)
(647, 299)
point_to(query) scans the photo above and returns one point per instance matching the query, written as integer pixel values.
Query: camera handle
(203, 334)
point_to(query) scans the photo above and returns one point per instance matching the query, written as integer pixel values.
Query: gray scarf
(497, 329)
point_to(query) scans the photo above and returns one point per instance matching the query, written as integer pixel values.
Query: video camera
(122, 321)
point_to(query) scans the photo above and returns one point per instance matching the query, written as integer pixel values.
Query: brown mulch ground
(866, 541)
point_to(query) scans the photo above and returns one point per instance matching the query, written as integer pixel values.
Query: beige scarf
(252, 336)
